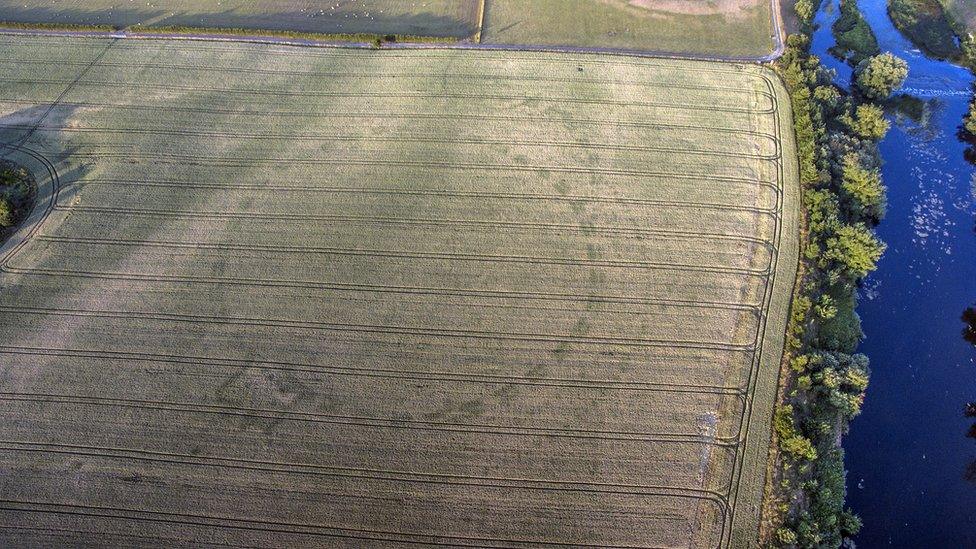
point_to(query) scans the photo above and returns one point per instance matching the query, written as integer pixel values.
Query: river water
(908, 453)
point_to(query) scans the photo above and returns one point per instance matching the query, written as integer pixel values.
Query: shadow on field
(28, 126)
(285, 19)
(24, 142)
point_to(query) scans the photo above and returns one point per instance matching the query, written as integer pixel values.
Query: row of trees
(844, 197)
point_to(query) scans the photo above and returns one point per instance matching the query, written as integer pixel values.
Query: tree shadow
(969, 411)
(22, 147)
(969, 319)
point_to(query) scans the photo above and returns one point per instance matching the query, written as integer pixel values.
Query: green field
(450, 18)
(725, 27)
(275, 296)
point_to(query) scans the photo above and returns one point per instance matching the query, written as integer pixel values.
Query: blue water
(908, 453)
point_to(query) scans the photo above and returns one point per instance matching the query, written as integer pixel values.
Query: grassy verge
(16, 196)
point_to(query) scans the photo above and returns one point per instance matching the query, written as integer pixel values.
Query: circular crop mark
(17, 193)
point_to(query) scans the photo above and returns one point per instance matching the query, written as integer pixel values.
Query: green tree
(854, 39)
(863, 189)
(869, 122)
(843, 331)
(877, 77)
(804, 11)
(791, 442)
(854, 250)
(968, 47)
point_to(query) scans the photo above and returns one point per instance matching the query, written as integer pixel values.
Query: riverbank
(837, 134)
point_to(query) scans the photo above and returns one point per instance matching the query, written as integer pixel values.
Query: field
(451, 18)
(723, 27)
(276, 296)
(718, 27)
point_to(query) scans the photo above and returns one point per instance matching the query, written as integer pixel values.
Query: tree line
(837, 134)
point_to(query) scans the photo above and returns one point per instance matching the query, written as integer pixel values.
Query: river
(908, 453)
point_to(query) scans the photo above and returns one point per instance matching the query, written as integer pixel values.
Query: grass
(286, 297)
(457, 19)
(620, 24)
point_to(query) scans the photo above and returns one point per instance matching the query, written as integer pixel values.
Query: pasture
(279, 297)
(723, 27)
(444, 18)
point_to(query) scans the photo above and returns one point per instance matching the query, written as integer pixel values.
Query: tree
(6, 213)
(969, 122)
(968, 47)
(877, 77)
(840, 380)
(793, 444)
(864, 190)
(854, 250)
(869, 122)
(804, 11)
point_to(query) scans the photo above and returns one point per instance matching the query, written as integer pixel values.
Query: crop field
(287, 297)
(720, 27)
(450, 18)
